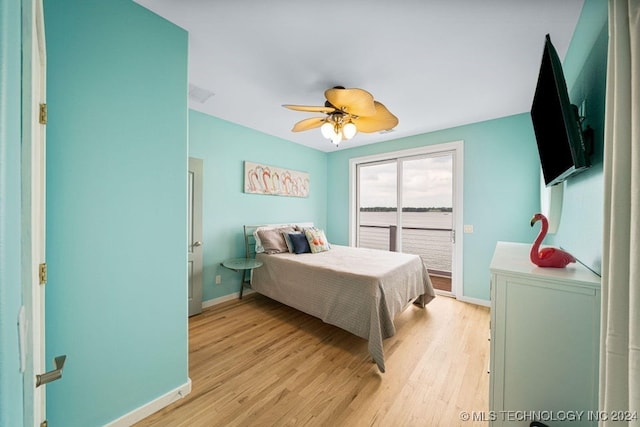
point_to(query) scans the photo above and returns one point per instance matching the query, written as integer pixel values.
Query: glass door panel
(377, 205)
(427, 212)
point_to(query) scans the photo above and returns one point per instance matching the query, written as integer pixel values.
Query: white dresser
(545, 329)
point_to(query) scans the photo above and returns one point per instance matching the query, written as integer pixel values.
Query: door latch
(50, 376)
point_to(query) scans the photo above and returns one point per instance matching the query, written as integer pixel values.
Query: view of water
(427, 234)
(409, 219)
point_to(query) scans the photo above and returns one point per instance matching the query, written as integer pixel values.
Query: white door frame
(32, 332)
(457, 147)
(194, 251)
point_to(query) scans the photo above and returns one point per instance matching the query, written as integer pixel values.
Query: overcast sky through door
(427, 182)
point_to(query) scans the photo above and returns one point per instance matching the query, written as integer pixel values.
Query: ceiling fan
(347, 112)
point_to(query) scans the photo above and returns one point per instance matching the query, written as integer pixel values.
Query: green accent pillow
(317, 240)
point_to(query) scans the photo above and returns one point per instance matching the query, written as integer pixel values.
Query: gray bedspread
(359, 290)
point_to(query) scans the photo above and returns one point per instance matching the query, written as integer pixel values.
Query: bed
(359, 290)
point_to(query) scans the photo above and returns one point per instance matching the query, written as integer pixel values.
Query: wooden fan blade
(381, 120)
(356, 102)
(310, 108)
(307, 124)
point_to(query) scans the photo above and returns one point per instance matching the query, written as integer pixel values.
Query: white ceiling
(435, 64)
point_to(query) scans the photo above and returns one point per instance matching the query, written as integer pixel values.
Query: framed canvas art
(275, 181)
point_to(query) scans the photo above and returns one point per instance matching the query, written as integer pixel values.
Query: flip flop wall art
(275, 181)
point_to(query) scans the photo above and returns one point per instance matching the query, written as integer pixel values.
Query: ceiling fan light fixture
(327, 130)
(332, 130)
(349, 130)
(342, 107)
(336, 136)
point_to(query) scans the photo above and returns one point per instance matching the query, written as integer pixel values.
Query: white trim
(476, 301)
(458, 270)
(215, 301)
(458, 148)
(444, 293)
(152, 407)
(33, 217)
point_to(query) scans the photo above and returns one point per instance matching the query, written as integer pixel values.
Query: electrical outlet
(218, 279)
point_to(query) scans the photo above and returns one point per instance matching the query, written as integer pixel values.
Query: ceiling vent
(199, 94)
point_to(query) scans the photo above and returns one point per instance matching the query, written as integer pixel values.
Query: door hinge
(44, 424)
(42, 273)
(43, 114)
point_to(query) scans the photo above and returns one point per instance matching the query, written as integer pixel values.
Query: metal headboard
(250, 240)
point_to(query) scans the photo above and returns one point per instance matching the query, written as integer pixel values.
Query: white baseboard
(152, 407)
(215, 301)
(476, 301)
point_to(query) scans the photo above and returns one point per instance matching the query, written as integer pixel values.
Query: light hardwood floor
(257, 362)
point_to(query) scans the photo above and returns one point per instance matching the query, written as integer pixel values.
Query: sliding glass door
(406, 204)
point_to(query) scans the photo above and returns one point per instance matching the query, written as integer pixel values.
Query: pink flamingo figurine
(547, 257)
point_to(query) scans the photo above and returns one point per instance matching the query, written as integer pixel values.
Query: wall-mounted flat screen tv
(556, 122)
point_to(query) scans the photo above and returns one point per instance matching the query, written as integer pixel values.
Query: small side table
(242, 264)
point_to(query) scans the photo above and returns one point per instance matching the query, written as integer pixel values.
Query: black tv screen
(556, 122)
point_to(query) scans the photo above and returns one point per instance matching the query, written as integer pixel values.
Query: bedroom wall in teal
(10, 178)
(501, 168)
(116, 208)
(224, 147)
(585, 67)
(500, 188)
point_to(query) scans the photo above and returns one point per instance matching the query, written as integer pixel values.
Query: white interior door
(31, 325)
(195, 236)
